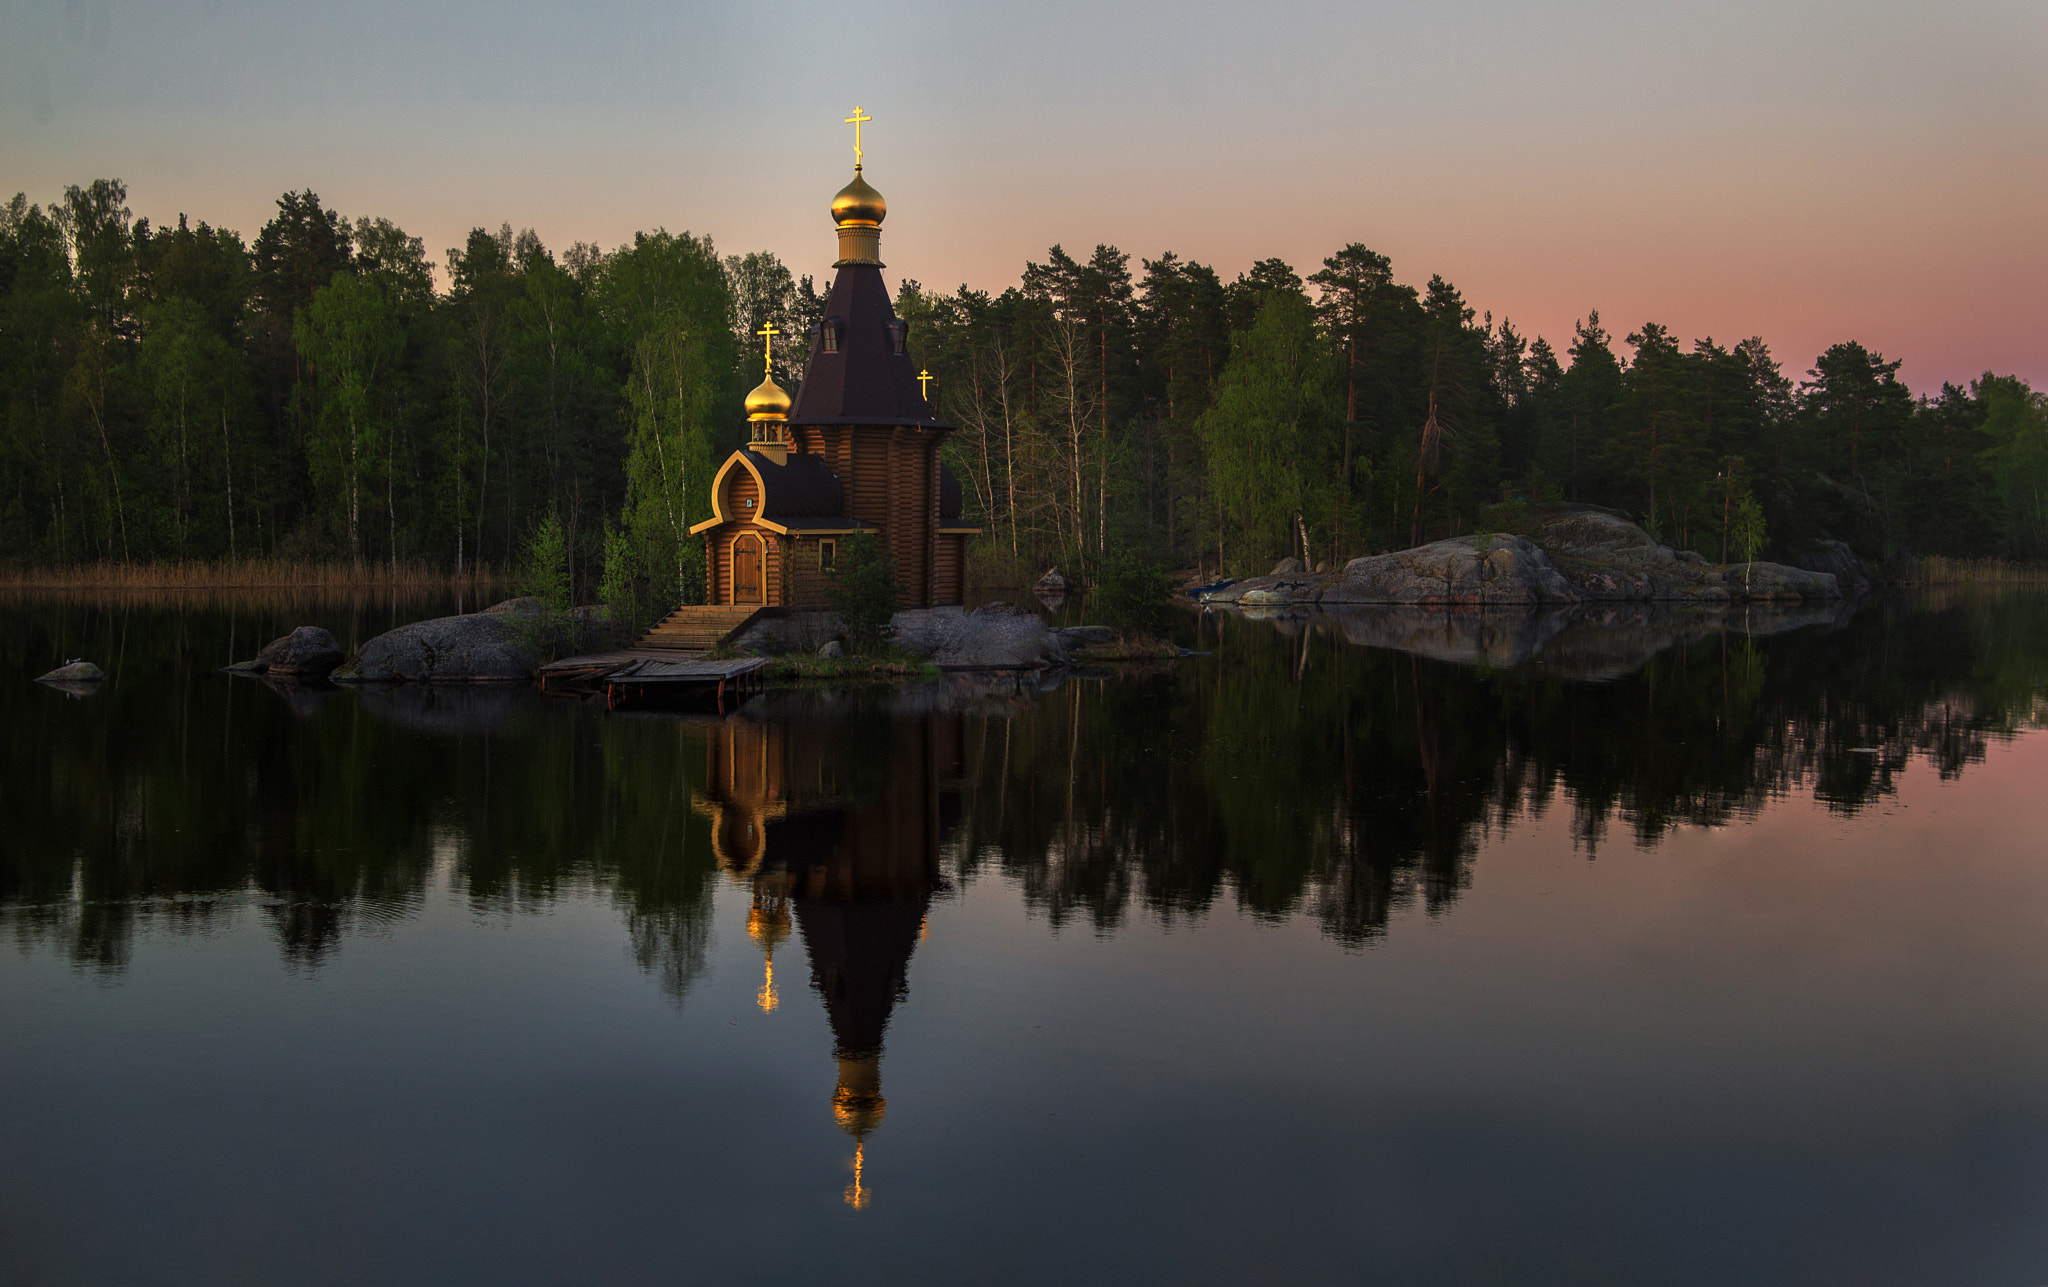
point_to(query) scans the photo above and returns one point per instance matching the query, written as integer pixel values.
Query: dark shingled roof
(803, 488)
(866, 381)
(949, 493)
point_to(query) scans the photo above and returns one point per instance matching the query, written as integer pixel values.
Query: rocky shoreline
(1578, 557)
(1572, 560)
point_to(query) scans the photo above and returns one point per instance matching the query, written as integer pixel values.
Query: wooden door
(746, 568)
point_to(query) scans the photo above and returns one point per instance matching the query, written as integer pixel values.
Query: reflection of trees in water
(1303, 773)
(1295, 773)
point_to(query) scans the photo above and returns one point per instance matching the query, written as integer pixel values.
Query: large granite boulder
(1573, 558)
(1837, 560)
(307, 652)
(1606, 557)
(494, 644)
(994, 636)
(1477, 571)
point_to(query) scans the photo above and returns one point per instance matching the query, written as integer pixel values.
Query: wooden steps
(697, 627)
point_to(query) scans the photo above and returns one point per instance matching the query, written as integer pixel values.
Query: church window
(899, 331)
(828, 553)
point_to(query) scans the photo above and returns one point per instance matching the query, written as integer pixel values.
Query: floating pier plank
(643, 672)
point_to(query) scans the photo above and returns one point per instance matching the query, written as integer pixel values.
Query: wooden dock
(637, 673)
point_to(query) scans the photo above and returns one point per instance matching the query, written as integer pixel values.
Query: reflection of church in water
(836, 826)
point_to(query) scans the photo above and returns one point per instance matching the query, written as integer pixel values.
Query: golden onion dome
(768, 401)
(857, 203)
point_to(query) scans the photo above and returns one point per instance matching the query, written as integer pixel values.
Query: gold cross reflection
(857, 1192)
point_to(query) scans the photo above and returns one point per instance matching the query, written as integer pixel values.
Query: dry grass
(1138, 647)
(249, 574)
(796, 666)
(1932, 570)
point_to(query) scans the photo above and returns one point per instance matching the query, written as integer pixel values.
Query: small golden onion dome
(857, 203)
(768, 401)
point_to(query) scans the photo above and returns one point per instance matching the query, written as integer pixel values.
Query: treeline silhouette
(180, 392)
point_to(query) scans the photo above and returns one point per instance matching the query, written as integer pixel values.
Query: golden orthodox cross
(768, 334)
(924, 379)
(856, 121)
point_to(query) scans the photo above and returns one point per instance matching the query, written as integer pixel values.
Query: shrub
(864, 590)
(1131, 595)
(546, 574)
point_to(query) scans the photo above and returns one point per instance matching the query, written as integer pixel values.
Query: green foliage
(1131, 594)
(545, 575)
(2015, 423)
(1748, 532)
(864, 591)
(183, 392)
(615, 589)
(1269, 436)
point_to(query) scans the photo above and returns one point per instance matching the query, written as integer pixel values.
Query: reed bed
(254, 574)
(1934, 570)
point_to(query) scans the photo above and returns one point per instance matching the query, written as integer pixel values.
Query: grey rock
(528, 606)
(1288, 567)
(308, 652)
(73, 672)
(476, 646)
(1837, 560)
(831, 648)
(1052, 583)
(992, 637)
(1083, 636)
(1473, 570)
(1606, 557)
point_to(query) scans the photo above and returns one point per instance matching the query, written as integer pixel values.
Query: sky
(1811, 172)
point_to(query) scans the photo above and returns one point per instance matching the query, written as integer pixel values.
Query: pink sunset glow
(1809, 173)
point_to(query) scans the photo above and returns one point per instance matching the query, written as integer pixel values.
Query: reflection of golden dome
(857, 203)
(857, 1103)
(768, 926)
(858, 1114)
(768, 401)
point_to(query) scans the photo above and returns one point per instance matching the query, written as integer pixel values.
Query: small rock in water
(73, 672)
(308, 651)
(831, 649)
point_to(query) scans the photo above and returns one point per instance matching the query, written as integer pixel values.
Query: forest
(319, 394)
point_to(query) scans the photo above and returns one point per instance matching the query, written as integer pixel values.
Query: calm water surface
(1376, 949)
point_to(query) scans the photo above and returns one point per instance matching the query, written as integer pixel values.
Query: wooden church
(857, 451)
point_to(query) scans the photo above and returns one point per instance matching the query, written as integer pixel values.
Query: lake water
(1379, 949)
